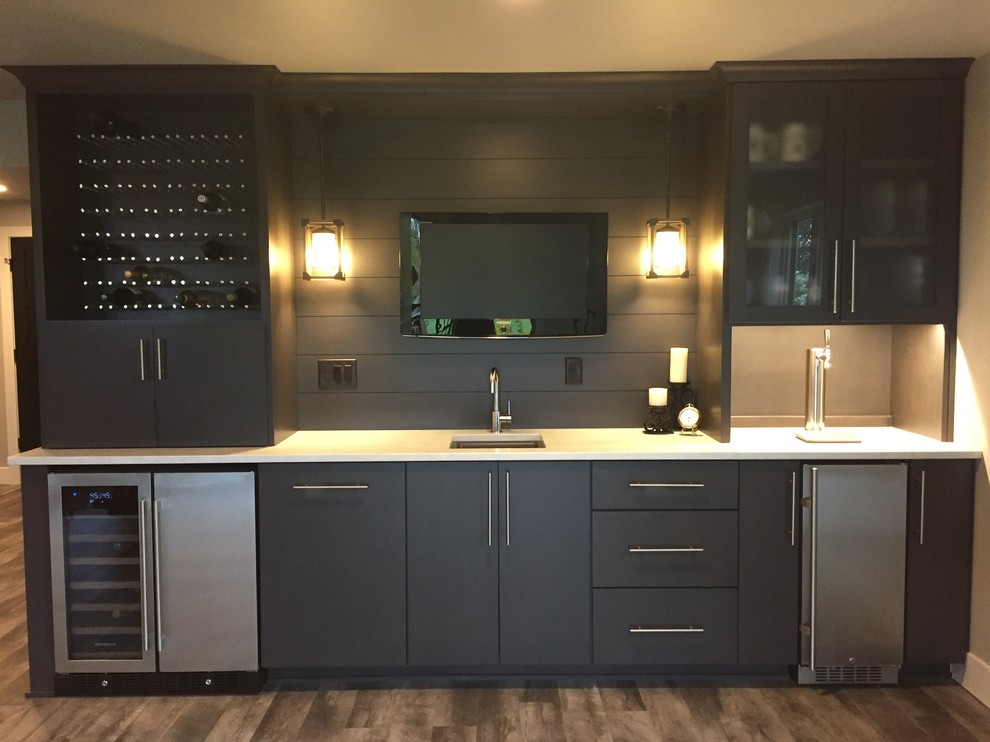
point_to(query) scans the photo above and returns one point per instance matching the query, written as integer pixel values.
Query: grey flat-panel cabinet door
(453, 564)
(204, 529)
(545, 563)
(96, 385)
(333, 565)
(769, 562)
(211, 387)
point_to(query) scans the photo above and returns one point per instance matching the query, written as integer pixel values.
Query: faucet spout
(498, 419)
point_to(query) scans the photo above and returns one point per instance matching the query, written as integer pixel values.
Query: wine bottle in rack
(190, 299)
(94, 249)
(147, 273)
(215, 250)
(243, 295)
(127, 296)
(212, 201)
(110, 124)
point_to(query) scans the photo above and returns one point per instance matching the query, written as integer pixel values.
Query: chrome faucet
(498, 419)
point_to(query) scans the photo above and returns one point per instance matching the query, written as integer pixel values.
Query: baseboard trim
(974, 676)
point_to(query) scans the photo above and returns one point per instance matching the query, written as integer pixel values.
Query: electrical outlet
(573, 371)
(336, 373)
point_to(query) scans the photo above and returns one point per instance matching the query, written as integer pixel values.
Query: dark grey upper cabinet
(769, 562)
(499, 564)
(156, 200)
(843, 199)
(332, 565)
(939, 561)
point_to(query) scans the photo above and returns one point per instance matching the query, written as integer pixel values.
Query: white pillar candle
(678, 365)
(658, 396)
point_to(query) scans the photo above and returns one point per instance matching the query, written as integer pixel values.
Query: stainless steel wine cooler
(154, 572)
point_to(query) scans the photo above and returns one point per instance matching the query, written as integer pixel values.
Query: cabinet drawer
(665, 627)
(674, 485)
(328, 479)
(665, 549)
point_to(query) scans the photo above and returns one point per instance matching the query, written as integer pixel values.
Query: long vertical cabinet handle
(145, 588)
(489, 508)
(793, 508)
(921, 530)
(161, 363)
(142, 352)
(507, 540)
(852, 281)
(835, 279)
(814, 556)
(156, 530)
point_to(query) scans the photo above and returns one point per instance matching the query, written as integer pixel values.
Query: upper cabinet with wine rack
(152, 205)
(843, 191)
(159, 200)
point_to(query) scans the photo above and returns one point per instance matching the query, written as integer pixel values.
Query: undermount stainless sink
(497, 440)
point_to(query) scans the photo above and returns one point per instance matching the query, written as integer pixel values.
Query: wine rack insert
(154, 213)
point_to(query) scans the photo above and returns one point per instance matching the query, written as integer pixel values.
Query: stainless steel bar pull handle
(143, 540)
(329, 486)
(665, 549)
(921, 529)
(161, 363)
(489, 508)
(156, 529)
(507, 521)
(142, 352)
(852, 280)
(835, 278)
(666, 630)
(793, 531)
(666, 484)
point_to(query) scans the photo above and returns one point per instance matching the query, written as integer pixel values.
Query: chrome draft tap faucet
(498, 419)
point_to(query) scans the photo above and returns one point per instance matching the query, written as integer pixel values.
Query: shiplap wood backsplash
(377, 167)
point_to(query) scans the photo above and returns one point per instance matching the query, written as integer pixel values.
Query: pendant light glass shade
(668, 248)
(324, 251)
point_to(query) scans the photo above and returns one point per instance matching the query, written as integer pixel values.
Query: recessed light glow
(3, 188)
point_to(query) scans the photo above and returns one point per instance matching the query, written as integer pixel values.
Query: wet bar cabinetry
(153, 193)
(843, 191)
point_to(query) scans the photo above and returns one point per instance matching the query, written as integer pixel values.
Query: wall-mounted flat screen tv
(470, 274)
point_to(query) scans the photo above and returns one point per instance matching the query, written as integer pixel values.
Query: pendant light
(667, 238)
(324, 239)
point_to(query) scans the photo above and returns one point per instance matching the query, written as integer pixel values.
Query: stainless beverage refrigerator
(154, 572)
(852, 608)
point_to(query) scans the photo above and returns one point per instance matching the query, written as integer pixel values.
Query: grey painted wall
(377, 167)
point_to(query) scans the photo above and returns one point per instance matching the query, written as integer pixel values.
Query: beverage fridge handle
(143, 540)
(813, 510)
(156, 530)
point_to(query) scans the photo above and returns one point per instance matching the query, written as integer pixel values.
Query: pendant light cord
(669, 112)
(323, 198)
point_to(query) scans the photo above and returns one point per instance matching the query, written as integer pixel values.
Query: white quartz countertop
(561, 444)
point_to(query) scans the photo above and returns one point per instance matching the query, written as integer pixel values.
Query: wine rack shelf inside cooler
(168, 195)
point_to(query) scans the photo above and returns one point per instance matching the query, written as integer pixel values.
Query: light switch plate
(335, 374)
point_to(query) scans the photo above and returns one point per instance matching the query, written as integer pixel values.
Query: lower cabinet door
(453, 564)
(665, 626)
(332, 565)
(545, 563)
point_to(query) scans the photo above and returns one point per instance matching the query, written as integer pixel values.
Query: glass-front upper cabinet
(844, 201)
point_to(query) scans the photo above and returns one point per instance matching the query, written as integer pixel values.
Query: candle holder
(659, 421)
(680, 395)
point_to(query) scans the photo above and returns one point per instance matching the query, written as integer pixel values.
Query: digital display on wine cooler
(111, 499)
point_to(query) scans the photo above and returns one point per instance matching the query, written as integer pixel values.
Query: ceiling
(480, 35)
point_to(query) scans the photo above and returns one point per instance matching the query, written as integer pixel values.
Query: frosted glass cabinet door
(783, 139)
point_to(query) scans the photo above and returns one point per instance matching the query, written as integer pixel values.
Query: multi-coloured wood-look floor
(579, 709)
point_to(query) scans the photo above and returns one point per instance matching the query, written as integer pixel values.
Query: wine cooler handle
(156, 530)
(143, 541)
(160, 360)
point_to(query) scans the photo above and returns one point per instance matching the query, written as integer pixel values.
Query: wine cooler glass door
(101, 572)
